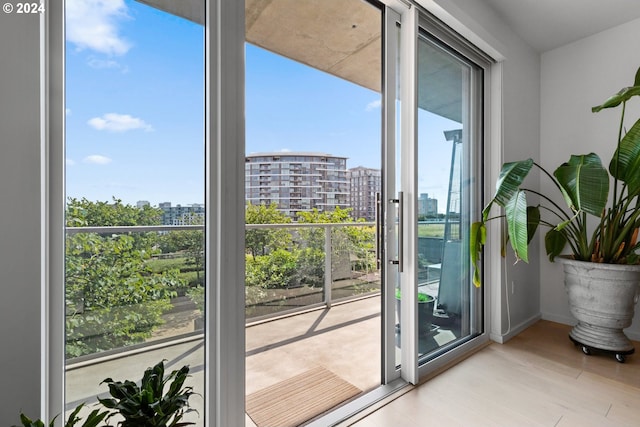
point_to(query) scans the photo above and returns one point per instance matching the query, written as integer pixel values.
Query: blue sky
(135, 107)
(135, 95)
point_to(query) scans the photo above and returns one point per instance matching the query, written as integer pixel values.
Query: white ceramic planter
(602, 297)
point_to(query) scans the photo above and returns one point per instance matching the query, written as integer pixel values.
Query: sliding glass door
(449, 306)
(440, 312)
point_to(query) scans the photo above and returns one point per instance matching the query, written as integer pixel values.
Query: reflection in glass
(444, 198)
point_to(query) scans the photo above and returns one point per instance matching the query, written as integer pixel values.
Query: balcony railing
(300, 266)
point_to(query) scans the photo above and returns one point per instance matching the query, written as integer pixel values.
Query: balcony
(307, 320)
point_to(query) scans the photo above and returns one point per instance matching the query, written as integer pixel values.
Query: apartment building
(297, 181)
(364, 184)
(426, 205)
(181, 215)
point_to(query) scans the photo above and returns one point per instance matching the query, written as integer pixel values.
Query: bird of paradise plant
(584, 184)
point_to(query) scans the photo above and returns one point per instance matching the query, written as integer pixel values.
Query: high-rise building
(297, 181)
(427, 206)
(364, 183)
(181, 215)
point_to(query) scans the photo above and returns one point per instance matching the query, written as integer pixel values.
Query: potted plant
(92, 420)
(601, 233)
(426, 305)
(147, 405)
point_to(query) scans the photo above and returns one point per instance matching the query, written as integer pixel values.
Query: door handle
(378, 231)
(400, 202)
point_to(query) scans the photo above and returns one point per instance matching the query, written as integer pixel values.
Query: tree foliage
(83, 213)
(284, 258)
(190, 242)
(112, 297)
(261, 241)
(277, 269)
(359, 241)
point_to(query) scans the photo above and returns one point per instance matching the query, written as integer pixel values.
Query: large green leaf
(533, 220)
(516, 214)
(584, 183)
(478, 238)
(511, 177)
(554, 243)
(622, 96)
(625, 164)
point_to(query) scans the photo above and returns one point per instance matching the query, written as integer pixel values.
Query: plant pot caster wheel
(620, 355)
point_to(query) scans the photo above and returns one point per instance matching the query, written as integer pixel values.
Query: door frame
(414, 21)
(225, 377)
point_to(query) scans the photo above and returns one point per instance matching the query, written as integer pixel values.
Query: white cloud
(67, 112)
(69, 162)
(97, 159)
(97, 63)
(373, 105)
(93, 24)
(114, 122)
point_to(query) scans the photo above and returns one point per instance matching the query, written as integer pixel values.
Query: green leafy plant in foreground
(584, 185)
(148, 405)
(93, 419)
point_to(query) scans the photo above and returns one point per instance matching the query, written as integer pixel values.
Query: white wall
(19, 217)
(574, 78)
(521, 138)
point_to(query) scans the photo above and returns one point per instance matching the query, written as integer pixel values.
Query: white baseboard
(515, 330)
(568, 320)
(553, 317)
(633, 335)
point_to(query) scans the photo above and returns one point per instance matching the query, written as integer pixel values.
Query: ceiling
(343, 37)
(548, 24)
(543, 24)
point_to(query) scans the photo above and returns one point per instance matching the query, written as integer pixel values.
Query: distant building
(182, 215)
(427, 206)
(364, 183)
(297, 182)
(142, 203)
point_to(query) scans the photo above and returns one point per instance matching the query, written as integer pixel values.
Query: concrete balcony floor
(344, 339)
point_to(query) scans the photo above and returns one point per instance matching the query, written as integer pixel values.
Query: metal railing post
(327, 266)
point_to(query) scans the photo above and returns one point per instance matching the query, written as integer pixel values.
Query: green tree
(271, 260)
(345, 241)
(191, 242)
(261, 241)
(112, 297)
(83, 213)
(275, 270)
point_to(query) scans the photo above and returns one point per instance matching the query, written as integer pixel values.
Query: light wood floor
(539, 378)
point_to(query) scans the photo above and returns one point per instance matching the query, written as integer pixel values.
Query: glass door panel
(448, 108)
(312, 174)
(135, 191)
